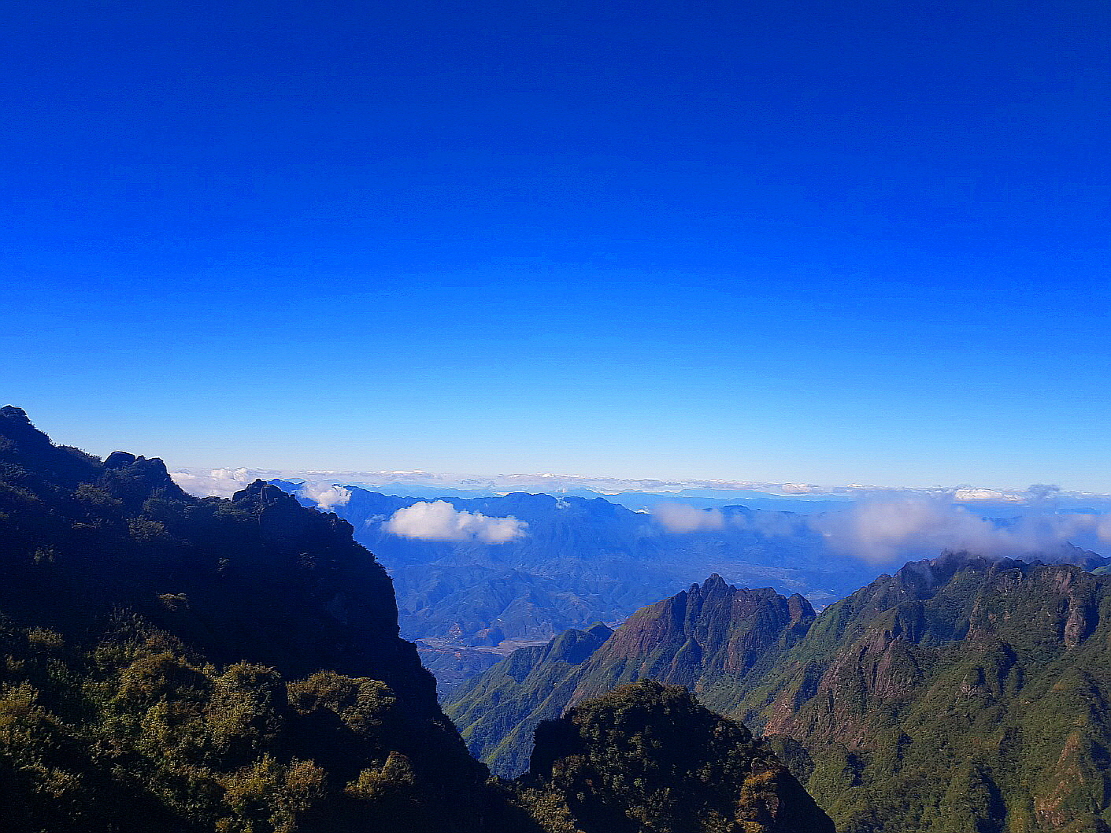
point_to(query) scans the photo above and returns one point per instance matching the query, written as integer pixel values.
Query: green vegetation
(961, 694)
(647, 758)
(174, 665)
(695, 639)
(138, 734)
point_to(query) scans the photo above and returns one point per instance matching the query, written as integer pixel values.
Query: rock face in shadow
(256, 578)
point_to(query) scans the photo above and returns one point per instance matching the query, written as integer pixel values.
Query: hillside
(958, 694)
(175, 665)
(647, 758)
(693, 639)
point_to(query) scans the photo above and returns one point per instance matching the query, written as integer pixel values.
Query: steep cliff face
(697, 639)
(255, 578)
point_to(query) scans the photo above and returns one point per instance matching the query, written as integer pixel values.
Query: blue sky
(798, 241)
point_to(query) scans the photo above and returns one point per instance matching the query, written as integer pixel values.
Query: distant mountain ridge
(961, 693)
(580, 561)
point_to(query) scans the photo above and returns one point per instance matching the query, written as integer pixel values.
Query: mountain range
(576, 561)
(960, 693)
(187, 665)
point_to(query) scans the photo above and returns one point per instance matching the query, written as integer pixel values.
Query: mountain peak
(25, 446)
(14, 414)
(714, 584)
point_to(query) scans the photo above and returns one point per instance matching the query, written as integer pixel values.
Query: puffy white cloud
(682, 517)
(440, 521)
(326, 497)
(982, 494)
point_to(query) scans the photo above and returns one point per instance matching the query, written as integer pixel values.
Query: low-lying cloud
(440, 521)
(682, 517)
(901, 527)
(216, 482)
(326, 498)
(881, 531)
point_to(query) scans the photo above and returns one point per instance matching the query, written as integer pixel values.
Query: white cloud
(440, 521)
(216, 482)
(325, 497)
(682, 517)
(898, 528)
(982, 494)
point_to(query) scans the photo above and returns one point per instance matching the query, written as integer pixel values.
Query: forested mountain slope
(648, 758)
(175, 665)
(693, 639)
(959, 694)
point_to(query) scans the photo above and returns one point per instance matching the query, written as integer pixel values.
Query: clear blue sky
(789, 241)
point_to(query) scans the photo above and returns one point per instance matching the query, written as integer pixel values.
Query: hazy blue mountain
(581, 560)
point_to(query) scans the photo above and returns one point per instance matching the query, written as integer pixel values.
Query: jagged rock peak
(714, 584)
(267, 492)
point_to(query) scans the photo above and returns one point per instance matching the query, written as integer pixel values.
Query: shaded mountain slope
(150, 645)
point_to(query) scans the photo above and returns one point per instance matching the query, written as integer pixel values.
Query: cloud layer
(682, 517)
(899, 527)
(216, 482)
(440, 521)
(881, 531)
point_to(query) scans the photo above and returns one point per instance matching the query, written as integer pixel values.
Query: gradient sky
(788, 241)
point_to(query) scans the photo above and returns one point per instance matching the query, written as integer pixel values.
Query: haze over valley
(478, 575)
